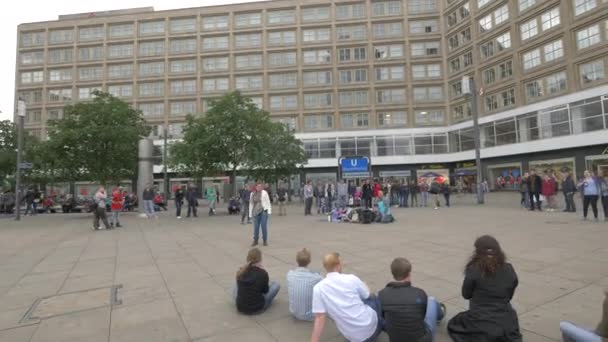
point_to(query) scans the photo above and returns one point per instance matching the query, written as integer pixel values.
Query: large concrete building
(355, 77)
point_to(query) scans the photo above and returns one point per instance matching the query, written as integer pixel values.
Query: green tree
(8, 152)
(236, 135)
(97, 141)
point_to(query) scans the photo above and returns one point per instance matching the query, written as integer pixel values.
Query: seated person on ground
(300, 283)
(573, 333)
(347, 301)
(233, 206)
(253, 293)
(384, 209)
(409, 315)
(489, 285)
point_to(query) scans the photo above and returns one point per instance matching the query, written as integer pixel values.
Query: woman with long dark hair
(254, 293)
(489, 285)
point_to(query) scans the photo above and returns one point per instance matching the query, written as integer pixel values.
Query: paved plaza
(170, 280)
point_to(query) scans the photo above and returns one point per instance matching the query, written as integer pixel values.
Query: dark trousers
(192, 209)
(374, 303)
(178, 208)
(447, 199)
(605, 206)
(100, 213)
(590, 199)
(245, 212)
(535, 195)
(30, 208)
(368, 202)
(414, 199)
(569, 197)
(403, 199)
(308, 206)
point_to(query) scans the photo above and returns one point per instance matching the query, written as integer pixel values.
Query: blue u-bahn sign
(355, 167)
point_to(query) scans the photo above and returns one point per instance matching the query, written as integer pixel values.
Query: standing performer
(259, 209)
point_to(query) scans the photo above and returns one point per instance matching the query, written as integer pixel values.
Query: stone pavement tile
(580, 269)
(207, 286)
(145, 289)
(538, 289)
(90, 325)
(87, 268)
(529, 336)
(290, 329)
(583, 306)
(124, 273)
(278, 310)
(542, 322)
(603, 282)
(45, 278)
(252, 334)
(439, 288)
(92, 281)
(550, 254)
(23, 334)
(207, 315)
(151, 322)
(26, 294)
(9, 318)
(521, 264)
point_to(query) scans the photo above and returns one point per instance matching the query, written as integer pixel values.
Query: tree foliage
(8, 152)
(97, 140)
(236, 135)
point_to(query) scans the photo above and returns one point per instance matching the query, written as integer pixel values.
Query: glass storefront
(504, 177)
(598, 164)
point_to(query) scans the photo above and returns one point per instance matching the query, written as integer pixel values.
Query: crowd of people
(538, 190)
(403, 311)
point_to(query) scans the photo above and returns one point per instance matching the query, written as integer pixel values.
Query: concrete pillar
(145, 170)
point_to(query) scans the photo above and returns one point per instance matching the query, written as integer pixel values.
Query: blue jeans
(114, 217)
(149, 207)
(424, 196)
(574, 333)
(273, 290)
(374, 303)
(260, 220)
(434, 314)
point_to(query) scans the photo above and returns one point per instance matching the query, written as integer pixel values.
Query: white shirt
(265, 203)
(341, 297)
(300, 283)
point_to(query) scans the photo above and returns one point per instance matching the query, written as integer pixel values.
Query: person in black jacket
(192, 198)
(367, 194)
(409, 315)
(254, 293)
(179, 201)
(569, 189)
(489, 285)
(534, 187)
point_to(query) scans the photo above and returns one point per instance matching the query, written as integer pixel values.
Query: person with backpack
(282, 198)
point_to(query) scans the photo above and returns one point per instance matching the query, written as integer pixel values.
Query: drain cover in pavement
(67, 303)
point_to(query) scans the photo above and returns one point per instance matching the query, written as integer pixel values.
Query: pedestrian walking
(330, 195)
(414, 190)
(424, 192)
(569, 189)
(404, 193)
(30, 205)
(434, 189)
(549, 190)
(211, 195)
(367, 194)
(446, 191)
(192, 199)
(260, 208)
(590, 190)
(604, 188)
(534, 187)
(282, 199)
(245, 195)
(308, 197)
(525, 193)
(99, 212)
(342, 190)
(179, 201)
(117, 203)
(148, 197)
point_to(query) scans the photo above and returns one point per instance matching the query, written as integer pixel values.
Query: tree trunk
(233, 182)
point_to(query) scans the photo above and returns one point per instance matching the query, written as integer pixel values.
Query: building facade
(366, 77)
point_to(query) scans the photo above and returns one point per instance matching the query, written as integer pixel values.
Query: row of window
(221, 22)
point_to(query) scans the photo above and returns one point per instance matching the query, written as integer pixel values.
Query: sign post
(468, 87)
(354, 167)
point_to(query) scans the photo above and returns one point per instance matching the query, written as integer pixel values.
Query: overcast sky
(26, 11)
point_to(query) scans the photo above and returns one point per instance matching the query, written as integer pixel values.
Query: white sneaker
(436, 208)
(179, 217)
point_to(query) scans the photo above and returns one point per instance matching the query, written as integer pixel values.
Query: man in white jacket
(259, 209)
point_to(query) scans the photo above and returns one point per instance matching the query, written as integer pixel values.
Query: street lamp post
(165, 174)
(21, 118)
(468, 87)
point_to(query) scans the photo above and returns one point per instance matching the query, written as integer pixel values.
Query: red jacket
(116, 200)
(548, 187)
(377, 189)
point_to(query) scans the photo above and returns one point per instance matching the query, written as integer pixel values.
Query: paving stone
(23, 334)
(91, 325)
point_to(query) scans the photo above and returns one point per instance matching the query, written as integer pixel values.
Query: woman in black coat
(489, 285)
